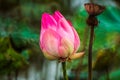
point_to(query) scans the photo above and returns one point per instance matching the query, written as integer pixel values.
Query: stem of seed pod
(90, 53)
(64, 71)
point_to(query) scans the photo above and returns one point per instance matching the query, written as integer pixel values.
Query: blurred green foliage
(10, 60)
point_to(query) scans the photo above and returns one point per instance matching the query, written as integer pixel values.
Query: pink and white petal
(76, 40)
(50, 41)
(63, 52)
(66, 48)
(47, 21)
(76, 55)
(65, 30)
(48, 55)
(65, 25)
(41, 33)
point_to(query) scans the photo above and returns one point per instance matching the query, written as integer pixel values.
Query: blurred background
(20, 54)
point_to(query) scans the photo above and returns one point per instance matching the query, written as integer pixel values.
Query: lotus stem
(64, 71)
(90, 53)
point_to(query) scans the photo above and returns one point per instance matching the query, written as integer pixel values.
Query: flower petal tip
(76, 55)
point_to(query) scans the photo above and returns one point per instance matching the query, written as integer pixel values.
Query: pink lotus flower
(58, 39)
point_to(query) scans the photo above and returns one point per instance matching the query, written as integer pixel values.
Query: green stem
(90, 54)
(64, 71)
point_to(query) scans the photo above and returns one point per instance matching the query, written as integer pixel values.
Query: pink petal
(65, 30)
(65, 48)
(76, 40)
(50, 41)
(57, 15)
(48, 55)
(70, 23)
(48, 21)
